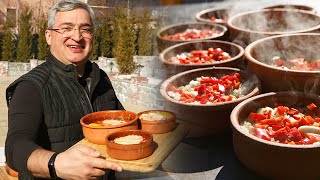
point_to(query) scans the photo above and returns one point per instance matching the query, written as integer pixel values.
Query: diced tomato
(292, 111)
(309, 120)
(280, 135)
(313, 137)
(281, 110)
(306, 141)
(295, 135)
(255, 117)
(311, 106)
(276, 127)
(269, 121)
(197, 53)
(279, 62)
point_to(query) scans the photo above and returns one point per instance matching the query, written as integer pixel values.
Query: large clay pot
(291, 46)
(272, 159)
(250, 26)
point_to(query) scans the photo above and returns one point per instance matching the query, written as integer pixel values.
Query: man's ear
(48, 37)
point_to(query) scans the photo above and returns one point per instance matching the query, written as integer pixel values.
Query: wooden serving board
(165, 144)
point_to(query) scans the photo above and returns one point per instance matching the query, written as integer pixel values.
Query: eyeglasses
(67, 32)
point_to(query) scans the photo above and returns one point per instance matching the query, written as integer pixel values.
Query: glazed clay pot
(260, 53)
(158, 126)
(235, 51)
(10, 171)
(163, 43)
(271, 159)
(130, 151)
(292, 6)
(98, 134)
(218, 13)
(207, 119)
(250, 26)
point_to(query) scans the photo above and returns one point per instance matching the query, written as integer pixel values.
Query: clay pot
(130, 151)
(235, 51)
(247, 27)
(163, 43)
(260, 53)
(206, 119)
(292, 6)
(158, 126)
(218, 13)
(10, 171)
(98, 134)
(271, 159)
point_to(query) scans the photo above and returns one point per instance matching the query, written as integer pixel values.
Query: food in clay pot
(203, 98)
(276, 135)
(186, 32)
(129, 144)
(96, 126)
(157, 121)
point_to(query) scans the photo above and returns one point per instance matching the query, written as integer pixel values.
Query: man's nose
(77, 36)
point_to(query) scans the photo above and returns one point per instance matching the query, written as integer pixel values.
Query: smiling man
(46, 104)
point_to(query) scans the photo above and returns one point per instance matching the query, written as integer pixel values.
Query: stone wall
(142, 93)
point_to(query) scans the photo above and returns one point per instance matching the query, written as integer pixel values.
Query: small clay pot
(98, 134)
(235, 51)
(158, 126)
(291, 46)
(247, 27)
(207, 119)
(130, 151)
(272, 159)
(163, 43)
(10, 171)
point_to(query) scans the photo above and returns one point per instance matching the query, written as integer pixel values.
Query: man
(46, 104)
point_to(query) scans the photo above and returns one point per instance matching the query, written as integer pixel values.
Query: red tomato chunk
(281, 124)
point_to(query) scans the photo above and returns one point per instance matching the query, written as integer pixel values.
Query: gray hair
(68, 5)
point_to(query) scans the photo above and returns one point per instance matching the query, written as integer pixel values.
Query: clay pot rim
(236, 126)
(199, 14)
(192, 24)
(300, 7)
(155, 122)
(108, 127)
(144, 144)
(241, 53)
(232, 18)
(163, 86)
(247, 53)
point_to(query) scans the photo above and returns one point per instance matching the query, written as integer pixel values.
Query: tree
(124, 46)
(145, 34)
(7, 42)
(43, 48)
(106, 37)
(25, 35)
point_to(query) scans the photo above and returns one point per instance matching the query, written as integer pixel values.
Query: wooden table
(165, 144)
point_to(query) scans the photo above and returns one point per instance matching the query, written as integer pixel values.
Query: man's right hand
(82, 162)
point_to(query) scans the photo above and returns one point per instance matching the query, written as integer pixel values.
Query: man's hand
(82, 162)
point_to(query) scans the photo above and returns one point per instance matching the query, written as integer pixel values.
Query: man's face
(76, 48)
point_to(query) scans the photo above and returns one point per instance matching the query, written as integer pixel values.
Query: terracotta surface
(206, 119)
(271, 159)
(176, 28)
(130, 151)
(292, 6)
(158, 126)
(98, 134)
(272, 78)
(247, 27)
(235, 51)
(10, 171)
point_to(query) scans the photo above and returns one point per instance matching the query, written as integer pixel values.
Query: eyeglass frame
(72, 29)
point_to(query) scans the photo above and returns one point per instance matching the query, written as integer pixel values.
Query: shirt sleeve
(24, 120)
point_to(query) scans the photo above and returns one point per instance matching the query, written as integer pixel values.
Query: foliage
(7, 43)
(25, 36)
(145, 34)
(124, 46)
(106, 37)
(43, 48)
